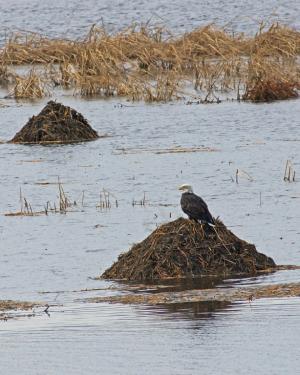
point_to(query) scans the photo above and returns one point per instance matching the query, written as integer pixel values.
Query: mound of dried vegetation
(56, 123)
(144, 63)
(184, 248)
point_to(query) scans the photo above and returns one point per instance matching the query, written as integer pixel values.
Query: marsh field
(179, 93)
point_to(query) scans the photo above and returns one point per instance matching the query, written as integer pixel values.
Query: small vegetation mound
(56, 123)
(184, 248)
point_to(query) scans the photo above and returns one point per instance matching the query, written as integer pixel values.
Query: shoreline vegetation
(148, 63)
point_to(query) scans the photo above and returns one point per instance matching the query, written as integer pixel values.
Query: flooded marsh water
(62, 254)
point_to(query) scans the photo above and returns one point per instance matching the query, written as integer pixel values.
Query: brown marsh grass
(148, 63)
(31, 85)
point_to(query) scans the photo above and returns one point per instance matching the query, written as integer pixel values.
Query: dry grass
(144, 63)
(268, 81)
(33, 48)
(30, 87)
(269, 89)
(278, 40)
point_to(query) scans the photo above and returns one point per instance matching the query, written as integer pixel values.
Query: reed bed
(33, 48)
(30, 86)
(149, 63)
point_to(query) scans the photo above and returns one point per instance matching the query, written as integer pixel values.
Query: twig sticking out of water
(141, 202)
(260, 200)
(25, 205)
(21, 199)
(241, 173)
(82, 198)
(289, 173)
(31, 86)
(26, 209)
(63, 200)
(104, 200)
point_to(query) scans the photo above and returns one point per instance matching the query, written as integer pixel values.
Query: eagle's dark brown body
(195, 208)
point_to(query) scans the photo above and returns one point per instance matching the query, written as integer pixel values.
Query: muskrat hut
(185, 248)
(56, 123)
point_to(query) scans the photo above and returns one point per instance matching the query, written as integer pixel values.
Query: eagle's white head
(186, 188)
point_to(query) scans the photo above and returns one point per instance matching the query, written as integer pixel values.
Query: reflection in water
(169, 285)
(184, 284)
(184, 310)
(189, 310)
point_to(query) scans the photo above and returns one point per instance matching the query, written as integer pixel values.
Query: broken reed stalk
(289, 172)
(147, 63)
(241, 173)
(286, 170)
(31, 86)
(25, 205)
(63, 200)
(104, 200)
(141, 202)
(21, 199)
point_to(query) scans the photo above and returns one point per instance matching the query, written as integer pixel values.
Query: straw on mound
(58, 124)
(185, 248)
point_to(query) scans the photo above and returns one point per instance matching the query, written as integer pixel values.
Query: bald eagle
(194, 206)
